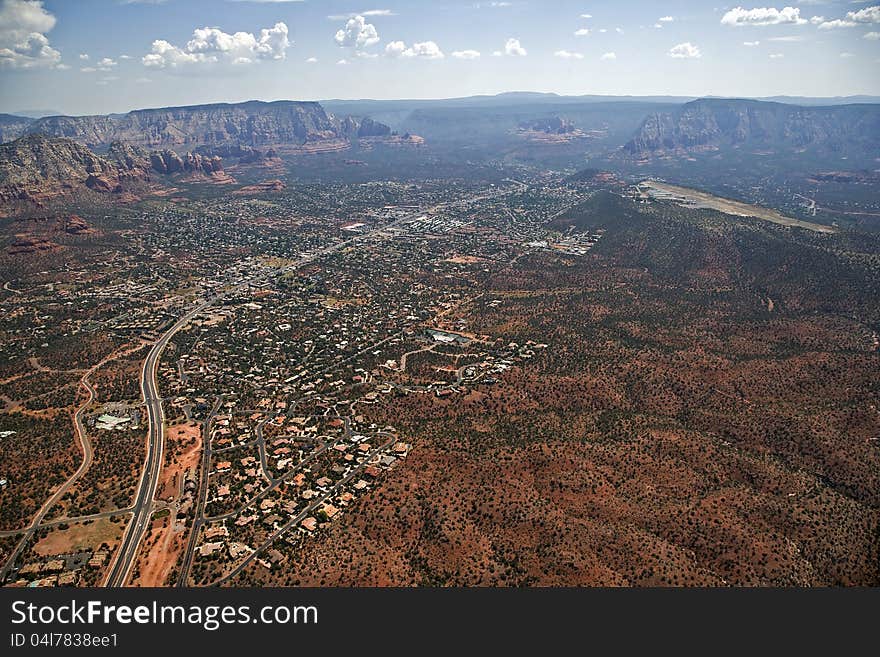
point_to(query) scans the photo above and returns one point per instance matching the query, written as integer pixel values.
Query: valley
(491, 342)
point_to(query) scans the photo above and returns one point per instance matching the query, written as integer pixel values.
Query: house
(275, 557)
(214, 532)
(69, 578)
(241, 521)
(207, 549)
(310, 524)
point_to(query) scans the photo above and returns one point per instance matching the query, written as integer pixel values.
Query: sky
(104, 56)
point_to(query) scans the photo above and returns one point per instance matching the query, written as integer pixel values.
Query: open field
(79, 537)
(694, 198)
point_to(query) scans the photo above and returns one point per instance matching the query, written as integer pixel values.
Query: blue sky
(98, 56)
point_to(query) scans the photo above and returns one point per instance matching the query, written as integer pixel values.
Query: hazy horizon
(110, 56)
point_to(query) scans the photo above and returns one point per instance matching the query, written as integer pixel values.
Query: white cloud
(776, 55)
(584, 31)
(513, 48)
(872, 36)
(787, 39)
(866, 16)
(23, 40)
(466, 54)
(312, 60)
(84, 57)
(357, 33)
(566, 54)
(212, 45)
(751, 44)
(846, 55)
(105, 64)
(422, 50)
(395, 49)
(832, 25)
(761, 16)
(586, 15)
(342, 62)
(665, 19)
(497, 53)
(685, 50)
(368, 12)
(608, 57)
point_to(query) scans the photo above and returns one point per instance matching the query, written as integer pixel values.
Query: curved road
(88, 453)
(143, 505)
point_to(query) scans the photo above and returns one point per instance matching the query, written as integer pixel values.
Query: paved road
(88, 453)
(302, 515)
(201, 500)
(143, 505)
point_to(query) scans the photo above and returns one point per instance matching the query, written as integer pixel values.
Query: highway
(143, 505)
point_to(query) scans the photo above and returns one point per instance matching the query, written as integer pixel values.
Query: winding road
(88, 454)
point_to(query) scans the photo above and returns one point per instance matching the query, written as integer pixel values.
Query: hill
(712, 124)
(252, 123)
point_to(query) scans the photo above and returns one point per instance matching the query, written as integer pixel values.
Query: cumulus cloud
(866, 16)
(776, 55)
(567, 54)
(584, 31)
(665, 19)
(608, 57)
(513, 48)
(872, 36)
(685, 50)
(357, 33)
(312, 60)
(466, 54)
(751, 44)
(762, 16)
(105, 64)
(23, 40)
(212, 45)
(423, 50)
